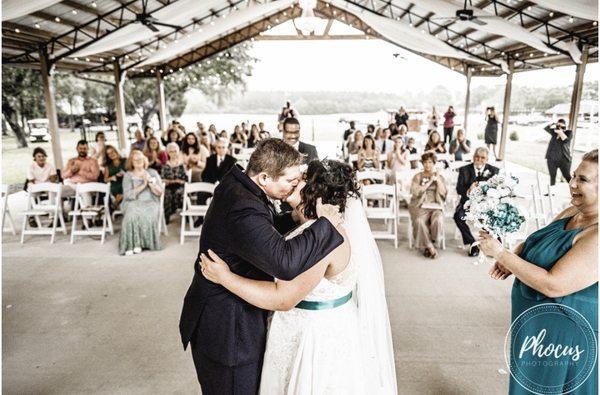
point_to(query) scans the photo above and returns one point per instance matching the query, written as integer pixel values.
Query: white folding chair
(247, 151)
(236, 148)
(162, 222)
(6, 211)
(538, 214)
(91, 212)
(189, 175)
(36, 208)
(388, 210)
(190, 211)
(383, 160)
(377, 175)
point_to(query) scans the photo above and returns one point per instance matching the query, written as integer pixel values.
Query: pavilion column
(506, 110)
(50, 102)
(120, 104)
(467, 98)
(162, 106)
(577, 93)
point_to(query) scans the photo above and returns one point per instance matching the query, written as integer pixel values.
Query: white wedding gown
(330, 351)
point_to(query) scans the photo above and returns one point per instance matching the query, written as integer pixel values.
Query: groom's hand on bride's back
(332, 213)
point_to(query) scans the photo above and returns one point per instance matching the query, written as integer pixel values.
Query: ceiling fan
(151, 22)
(466, 14)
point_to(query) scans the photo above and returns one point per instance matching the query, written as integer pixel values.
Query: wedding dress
(338, 339)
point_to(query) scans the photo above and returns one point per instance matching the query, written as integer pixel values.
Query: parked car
(38, 130)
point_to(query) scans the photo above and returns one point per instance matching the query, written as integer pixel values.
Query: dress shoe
(474, 251)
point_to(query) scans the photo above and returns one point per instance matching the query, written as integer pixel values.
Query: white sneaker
(128, 253)
(137, 250)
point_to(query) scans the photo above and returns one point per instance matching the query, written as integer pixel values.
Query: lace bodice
(333, 287)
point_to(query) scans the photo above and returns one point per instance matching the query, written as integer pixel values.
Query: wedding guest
(205, 142)
(114, 172)
(348, 133)
(98, 151)
(218, 164)
(401, 117)
(174, 178)
(558, 154)
(287, 112)
(393, 129)
(449, 123)
(460, 145)
(200, 128)
(432, 120)
(261, 129)
(556, 266)
(371, 130)
(412, 150)
(41, 171)
(468, 177)
(368, 156)
(491, 130)
(172, 136)
(139, 142)
(435, 144)
(80, 170)
(212, 134)
(223, 135)
(291, 135)
(157, 157)
(402, 133)
(254, 136)
(148, 132)
(383, 144)
(238, 137)
(397, 160)
(355, 144)
(428, 194)
(194, 156)
(245, 130)
(142, 188)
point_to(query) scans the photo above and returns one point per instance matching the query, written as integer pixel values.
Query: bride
(330, 333)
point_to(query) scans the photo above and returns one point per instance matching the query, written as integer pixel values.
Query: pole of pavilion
(46, 70)
(162, 106)
(120, 103)
(577, 93)
(506, 110)
(467, 98)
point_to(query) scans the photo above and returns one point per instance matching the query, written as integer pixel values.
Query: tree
(68, 88)
(22, 99)
(218, 78)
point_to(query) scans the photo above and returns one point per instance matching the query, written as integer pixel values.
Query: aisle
(83, 320)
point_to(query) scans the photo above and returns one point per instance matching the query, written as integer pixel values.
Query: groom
(227, 334)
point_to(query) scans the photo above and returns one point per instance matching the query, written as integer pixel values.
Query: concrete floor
(82, 319)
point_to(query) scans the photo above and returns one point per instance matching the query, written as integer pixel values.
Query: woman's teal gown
(544, 248)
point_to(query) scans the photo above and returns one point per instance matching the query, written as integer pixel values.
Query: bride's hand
(213, 268)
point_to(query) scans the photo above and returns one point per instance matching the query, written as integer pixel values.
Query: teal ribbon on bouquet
(325, 304)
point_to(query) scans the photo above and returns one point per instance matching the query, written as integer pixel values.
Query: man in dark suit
(558, 154)
(228, 335)
(218, 164)
(468, 177)
(291, 135)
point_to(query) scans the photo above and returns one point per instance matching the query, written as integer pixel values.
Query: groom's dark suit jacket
(241, 227)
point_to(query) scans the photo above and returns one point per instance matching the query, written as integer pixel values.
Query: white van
(38, 130)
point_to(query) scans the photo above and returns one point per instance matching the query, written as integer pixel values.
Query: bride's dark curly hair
(330, 180)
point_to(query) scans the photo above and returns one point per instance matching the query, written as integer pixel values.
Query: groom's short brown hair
(273, 156)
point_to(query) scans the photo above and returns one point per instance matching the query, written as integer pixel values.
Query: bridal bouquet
(489, 207)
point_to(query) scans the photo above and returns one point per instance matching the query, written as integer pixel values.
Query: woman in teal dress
(114, 171)
(556, 265)
(142, 188)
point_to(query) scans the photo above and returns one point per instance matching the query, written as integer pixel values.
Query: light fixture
(570, 19)
(57, 19)
(74, 12)
(17, 31)
(551, 14)
(94, 4)
(37, 25)
(595, 23)
(307, 23)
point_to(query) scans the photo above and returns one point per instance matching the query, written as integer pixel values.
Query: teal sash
(326, 304)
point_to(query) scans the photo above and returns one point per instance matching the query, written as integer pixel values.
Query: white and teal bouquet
(490, 207)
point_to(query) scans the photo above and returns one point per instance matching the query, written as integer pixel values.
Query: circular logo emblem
(550, 349)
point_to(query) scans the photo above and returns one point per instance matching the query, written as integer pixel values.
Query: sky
(369, 66)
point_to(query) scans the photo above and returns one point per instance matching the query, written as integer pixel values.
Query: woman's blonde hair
(129, 163)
